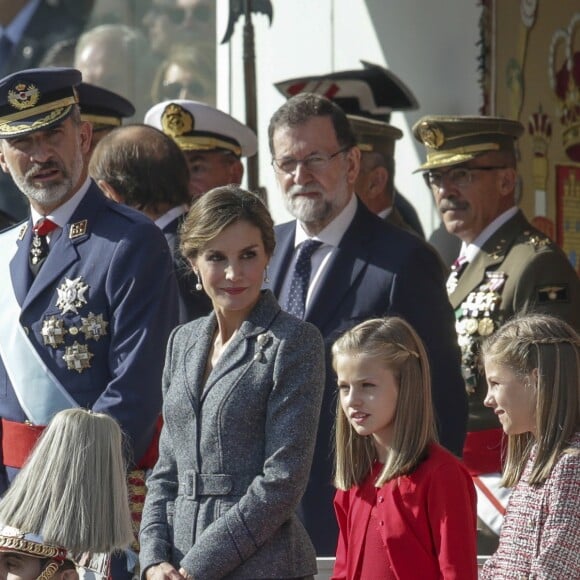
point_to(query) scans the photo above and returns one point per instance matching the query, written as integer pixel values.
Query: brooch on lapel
(262, 341)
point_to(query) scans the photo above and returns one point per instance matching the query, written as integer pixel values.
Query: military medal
(36, 250)
(94, 326)
(485, 326)
(71, 295)
(470, 325)
(77, 357)
(53, 331)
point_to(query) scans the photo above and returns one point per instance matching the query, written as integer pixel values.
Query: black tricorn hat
(372, 92)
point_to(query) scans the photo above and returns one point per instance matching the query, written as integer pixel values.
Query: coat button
(381, 499)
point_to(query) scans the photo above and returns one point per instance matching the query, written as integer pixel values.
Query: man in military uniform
(375, 184)
(213, 142)
(505, 267)
(103, 109)
(88, 293)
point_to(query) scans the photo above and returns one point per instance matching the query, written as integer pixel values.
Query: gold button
(73, 330)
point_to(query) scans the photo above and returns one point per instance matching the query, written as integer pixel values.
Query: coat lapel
(195, 359)
(242, 350)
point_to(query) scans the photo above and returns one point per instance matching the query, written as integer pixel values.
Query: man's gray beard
(307, 211)
(51, 195)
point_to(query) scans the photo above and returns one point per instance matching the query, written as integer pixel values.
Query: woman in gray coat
(242, 393)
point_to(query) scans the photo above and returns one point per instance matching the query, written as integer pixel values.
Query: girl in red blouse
(405, 506)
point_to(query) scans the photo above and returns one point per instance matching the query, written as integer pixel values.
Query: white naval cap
(197, 126)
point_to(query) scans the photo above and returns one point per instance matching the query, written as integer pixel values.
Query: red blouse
(428, 527)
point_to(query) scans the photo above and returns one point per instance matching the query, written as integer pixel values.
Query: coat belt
(194, 485)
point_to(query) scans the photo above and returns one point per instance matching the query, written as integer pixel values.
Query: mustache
(303, 189)
(42, 167)
(451, 205)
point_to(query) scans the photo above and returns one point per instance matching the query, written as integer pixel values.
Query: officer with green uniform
(506, 267)
(375, 184)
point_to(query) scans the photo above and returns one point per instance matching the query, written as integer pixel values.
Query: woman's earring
(198, 286)
(266, 279)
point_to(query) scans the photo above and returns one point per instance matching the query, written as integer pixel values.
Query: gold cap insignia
(176, 121)
(23, 96)
(431, 135)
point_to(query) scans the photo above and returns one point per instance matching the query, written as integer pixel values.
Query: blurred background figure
(213, 142)
(60, 54)
(29, 28)
(117, 57)
(143, 168)
(171, 22)
(187, 73)
(103, 109)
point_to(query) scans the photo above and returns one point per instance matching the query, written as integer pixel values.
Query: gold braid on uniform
(50, 570)
(137, 490)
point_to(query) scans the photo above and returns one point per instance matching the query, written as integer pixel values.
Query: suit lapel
(64, 252)
(348, 260)
(284, 249)
(19, 268)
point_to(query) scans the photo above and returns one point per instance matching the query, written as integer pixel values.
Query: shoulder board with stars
(536, 239)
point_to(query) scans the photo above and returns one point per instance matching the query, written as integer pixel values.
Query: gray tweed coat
(235, 453)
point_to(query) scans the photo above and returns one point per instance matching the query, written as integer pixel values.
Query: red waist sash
(482, 451)
(18, 439)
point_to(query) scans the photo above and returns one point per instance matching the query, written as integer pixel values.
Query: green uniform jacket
(518, 270)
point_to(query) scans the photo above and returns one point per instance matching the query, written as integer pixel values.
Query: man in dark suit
(505, 267)
(143, 168)
(372, 92)
(88, 293)
(363, 268)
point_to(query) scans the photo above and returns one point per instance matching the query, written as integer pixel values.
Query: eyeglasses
(313, 163)
(458, 176)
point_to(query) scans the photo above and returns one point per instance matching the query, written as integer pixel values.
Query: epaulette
(535, 239)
